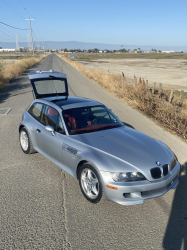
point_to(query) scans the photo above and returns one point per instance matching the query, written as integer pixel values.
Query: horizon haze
(85, 46)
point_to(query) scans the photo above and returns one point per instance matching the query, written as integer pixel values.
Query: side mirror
(50, 129)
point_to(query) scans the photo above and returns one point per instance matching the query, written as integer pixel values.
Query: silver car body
(120, 149)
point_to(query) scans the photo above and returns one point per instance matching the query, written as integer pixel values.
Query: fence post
(146, 85)
(171, 96)
(140, 80)
(160, 89)
(153, 89)
(181, 97)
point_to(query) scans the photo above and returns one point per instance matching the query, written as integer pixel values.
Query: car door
(49, 143)
(38, 128)
(36, 111)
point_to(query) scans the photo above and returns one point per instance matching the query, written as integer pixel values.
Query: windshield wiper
(83, 131)
(110, 126)
(93, 130)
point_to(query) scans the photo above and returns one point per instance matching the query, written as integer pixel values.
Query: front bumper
(133, 193)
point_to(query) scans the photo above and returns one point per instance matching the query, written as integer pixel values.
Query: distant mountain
(85, 46)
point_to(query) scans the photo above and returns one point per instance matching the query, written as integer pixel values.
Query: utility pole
(38, 45)
(17, 44)
(43, 46)
(28, 43)
(31, 32)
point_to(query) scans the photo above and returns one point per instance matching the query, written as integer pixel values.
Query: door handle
(38, 131)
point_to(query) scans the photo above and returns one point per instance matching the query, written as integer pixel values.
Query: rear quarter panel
(30, 124)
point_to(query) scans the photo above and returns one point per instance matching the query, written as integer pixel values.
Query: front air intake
(165, 169)
(156, 173)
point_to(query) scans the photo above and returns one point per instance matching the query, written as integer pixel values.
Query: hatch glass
(47, 87)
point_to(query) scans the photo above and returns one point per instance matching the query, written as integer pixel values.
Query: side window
(44, 120)
(50, 116)
(36, 110)
(59, 127)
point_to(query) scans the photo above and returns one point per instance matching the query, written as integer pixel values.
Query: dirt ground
(172, 73)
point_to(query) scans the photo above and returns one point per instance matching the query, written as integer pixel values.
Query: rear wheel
(25, 142)
(90, 183)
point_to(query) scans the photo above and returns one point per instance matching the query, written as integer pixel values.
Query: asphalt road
(42, 207)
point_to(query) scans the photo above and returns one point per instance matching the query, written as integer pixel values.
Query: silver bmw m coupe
(85, 139)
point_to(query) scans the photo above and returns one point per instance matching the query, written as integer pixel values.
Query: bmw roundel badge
(158, 163)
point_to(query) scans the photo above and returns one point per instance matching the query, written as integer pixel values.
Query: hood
(129, 145)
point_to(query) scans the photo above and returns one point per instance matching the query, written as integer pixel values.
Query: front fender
(103, 161)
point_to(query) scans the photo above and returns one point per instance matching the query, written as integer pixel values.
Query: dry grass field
(13, 69)
(172, 116)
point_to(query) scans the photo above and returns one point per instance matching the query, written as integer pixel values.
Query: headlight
(173, 162)
(129, 176)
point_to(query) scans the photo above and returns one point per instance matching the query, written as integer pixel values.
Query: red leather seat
(71, 121)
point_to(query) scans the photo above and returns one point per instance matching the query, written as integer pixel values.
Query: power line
(9, 39)
(4, 28)
(10, 33)
(13, 27)
(22, 36)
(38, 29)
(35, 20)
(13, 9)
(24, 7)
(6, 33)
(34, 34)
(21, 39)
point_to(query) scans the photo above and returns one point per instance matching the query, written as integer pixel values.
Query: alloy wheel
(24, 140)
(90, 183)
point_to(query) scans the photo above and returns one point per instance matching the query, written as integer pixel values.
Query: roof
(73, 102)
(45, 74)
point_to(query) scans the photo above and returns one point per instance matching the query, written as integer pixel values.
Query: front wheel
(90, 183)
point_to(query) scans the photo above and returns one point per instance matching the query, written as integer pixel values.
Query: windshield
(90, 119)
(49, 87)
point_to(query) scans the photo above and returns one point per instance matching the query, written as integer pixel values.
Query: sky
(133, 22)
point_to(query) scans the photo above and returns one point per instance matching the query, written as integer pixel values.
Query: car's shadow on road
(20, 83)
(13, 86)
(176, 232)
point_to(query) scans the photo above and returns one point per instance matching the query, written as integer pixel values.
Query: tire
(25, 142)
(90, 183)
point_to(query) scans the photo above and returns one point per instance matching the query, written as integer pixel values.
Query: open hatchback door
(48, 83)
